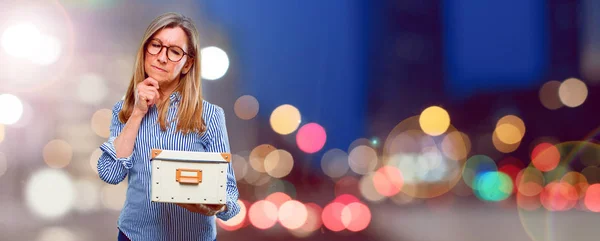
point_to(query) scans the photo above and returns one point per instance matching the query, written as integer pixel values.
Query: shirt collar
(175, 97)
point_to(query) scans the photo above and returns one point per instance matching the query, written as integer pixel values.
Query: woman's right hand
(146, 95)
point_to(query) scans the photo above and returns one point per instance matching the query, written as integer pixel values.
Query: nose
(162, 55)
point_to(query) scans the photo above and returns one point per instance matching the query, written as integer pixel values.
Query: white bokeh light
(47, 51)
(50, 193)
(88, 195)
(3, 164)
(56, 233)
(214, 63)
(20, 40)
(92, 89)
(11, 109)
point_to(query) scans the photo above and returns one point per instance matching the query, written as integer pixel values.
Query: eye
(177, 52)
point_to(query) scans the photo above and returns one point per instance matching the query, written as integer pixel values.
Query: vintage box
(189, 177)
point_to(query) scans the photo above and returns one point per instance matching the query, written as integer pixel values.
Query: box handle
(188, 176)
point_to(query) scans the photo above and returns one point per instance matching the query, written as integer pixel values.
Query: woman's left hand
(205, 209)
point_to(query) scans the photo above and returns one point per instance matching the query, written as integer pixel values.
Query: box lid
(190, 156)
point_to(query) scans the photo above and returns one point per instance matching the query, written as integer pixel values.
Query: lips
(159, 69)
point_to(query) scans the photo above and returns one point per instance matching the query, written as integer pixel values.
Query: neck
(167, 89)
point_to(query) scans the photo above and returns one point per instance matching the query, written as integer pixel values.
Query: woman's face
(163, 66)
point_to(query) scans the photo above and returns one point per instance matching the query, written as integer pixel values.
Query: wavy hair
(189, 114)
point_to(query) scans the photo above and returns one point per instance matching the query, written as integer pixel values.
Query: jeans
(122, 237)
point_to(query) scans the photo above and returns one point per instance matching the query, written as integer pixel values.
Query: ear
(188, 65)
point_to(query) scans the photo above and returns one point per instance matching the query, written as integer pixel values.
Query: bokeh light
(511, 166)
(493, 186)
(240, 166)
(332, 216)
(530, 181)
(558, 196)
(238, 221)
(256, 178)
(50, 193)
(363, 159)
(502, 146)
(572, 92)
(101, 122)
(334, 163)
(592, 198)
(214, 62)
(274, 186)
(87, 194)
(359, 142)
(2, 133)
(292, 214)
(278, 199)
(368, 190)
(279, 163)
(313, 221)
(434, 120)
(263, 214)
(311, 138)
(246, 107)
(21, 40)
(57, 153)
(549, 95)
(426, 170)
(56, 233)
(47, 50)
(3, 164)
(113, 196)
(356, 216)
(456, 145)
(545, 157)
(578, 181)
(475, 166)
(92, 89)
(347, 185)
(258, 155)
(96, 154)
(11, 109)
(510, 129)
(388, 181)
(346, 199)
(285, 119)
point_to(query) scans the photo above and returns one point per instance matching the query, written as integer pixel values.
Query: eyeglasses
(174, 53)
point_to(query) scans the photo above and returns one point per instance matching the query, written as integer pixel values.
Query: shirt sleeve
(218, 141)
(112, 169)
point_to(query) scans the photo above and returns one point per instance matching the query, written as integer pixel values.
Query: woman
(163, 108)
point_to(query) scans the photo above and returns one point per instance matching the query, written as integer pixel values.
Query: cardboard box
(189, 177)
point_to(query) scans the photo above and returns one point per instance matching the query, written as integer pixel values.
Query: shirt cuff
(109, 148)
(232, 209)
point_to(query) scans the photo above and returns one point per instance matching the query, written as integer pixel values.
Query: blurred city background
(348, 120)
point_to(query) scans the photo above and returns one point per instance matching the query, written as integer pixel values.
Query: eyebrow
(161, 42)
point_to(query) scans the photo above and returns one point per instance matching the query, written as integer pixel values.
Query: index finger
(152, 82)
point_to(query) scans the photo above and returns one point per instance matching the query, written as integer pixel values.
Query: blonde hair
(189, 114)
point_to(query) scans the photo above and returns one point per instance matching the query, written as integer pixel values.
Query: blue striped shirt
(141, 219)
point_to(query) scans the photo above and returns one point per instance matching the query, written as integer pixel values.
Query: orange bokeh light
(388, 181)
(545, 157)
